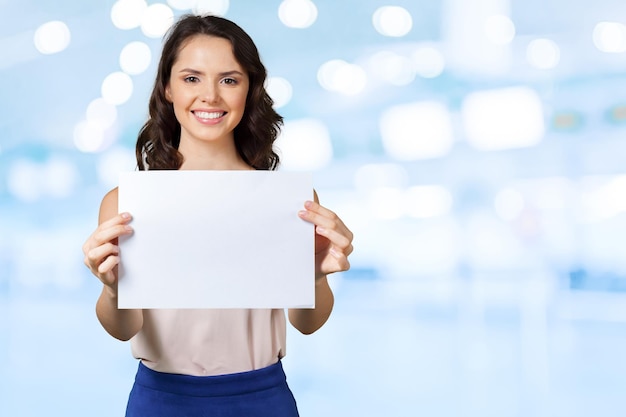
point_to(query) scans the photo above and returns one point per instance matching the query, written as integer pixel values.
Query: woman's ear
(168, 94)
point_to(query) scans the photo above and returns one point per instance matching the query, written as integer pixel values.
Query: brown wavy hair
(158, 140)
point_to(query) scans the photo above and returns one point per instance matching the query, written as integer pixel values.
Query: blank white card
(216, 239)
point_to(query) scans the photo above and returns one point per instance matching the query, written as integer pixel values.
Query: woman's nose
(210, 93)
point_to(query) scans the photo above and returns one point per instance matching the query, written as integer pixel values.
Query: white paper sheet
(216, 239)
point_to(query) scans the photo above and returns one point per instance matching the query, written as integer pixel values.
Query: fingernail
(308, 204)
(320, 229)
(125, 216)
(334, 253)
(302, 213)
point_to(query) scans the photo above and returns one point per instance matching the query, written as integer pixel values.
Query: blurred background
(475, 147)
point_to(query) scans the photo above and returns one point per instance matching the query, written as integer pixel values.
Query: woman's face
(208, 90)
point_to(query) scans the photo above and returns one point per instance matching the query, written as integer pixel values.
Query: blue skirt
(259, 393)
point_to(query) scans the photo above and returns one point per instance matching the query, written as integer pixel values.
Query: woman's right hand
(102, 251)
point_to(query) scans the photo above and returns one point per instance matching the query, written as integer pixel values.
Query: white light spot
(605, 200)
(386, 203)
(428, 62)
(392, 68)
(114, 161)
(610, 37)
(135, 58)
(59, 178)
(304, 145)
(499, 29)
(156, 20)
(392, 21)
(427, 201)
(327, 73)
(102, 113)
(341, 77)
(127, 14)
(89, 137)
(29, 181)
(279, 90)
(182, 4)
(509, 204)
(416, 131)
(117, 88)
(23, 181)
(371, 176)
(52, 37)
(214, 7)
(503, 119)
(298, 14)
(543, 53)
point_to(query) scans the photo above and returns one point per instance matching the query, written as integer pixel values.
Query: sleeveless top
(205, 342)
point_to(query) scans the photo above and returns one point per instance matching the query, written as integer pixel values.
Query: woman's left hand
(333, 240)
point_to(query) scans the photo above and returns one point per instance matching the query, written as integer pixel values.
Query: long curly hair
(158, 140)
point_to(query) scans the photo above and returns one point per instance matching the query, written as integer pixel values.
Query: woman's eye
(229, 81)
(191, 79)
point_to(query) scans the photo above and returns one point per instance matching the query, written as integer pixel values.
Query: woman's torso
(210, 341)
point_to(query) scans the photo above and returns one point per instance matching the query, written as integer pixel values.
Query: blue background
(460, 312)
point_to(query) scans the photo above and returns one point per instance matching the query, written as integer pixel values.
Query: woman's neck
(211, 156)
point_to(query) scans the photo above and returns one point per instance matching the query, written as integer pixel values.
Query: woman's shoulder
(108, 207)
(110, 197)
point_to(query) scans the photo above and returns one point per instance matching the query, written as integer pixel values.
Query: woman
(209, 110)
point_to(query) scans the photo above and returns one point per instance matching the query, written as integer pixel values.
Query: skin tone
(208, 90)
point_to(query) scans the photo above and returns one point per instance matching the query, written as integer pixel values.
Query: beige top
(210, 342)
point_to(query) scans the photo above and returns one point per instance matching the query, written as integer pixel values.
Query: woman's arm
(102, 257)
(333, 244)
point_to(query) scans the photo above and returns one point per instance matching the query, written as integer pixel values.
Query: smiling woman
(209, 110)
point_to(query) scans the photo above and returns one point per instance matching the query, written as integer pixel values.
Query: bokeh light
(117, 88)
(102, 113)
(393, 21)
(280, 91)
(181, 4)
(543, 53)
(425, 201)
(428, 61)
(414, 131)
(342, 77)
(499, 29)
(52, 37)
(135, 58)
(392, 68)
(214, 7)
(503, 119)
(304, 145)
(299, 14)
(89, 136)
(156, 20)
(127, 14)
(610, 37)
(509, 204)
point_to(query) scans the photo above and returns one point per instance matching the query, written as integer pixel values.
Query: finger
(318, 208)
(121, 218)
(339, 238)
(96, 255)
(108, 264)
(326, 219)
(338, 264)
(108, 234)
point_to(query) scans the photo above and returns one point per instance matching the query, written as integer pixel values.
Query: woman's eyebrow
(233, 72)
(222, 74)
(191, 71)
